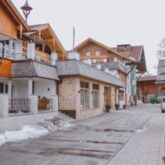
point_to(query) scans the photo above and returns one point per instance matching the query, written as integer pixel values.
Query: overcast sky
(112, 22)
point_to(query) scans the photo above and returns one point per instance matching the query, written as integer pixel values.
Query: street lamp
(26, 10)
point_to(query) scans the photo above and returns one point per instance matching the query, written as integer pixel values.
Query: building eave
(73, 67)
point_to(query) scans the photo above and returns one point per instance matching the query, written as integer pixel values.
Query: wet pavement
(125, 137)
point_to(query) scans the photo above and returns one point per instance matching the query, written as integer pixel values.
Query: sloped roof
(30, 68)
(137, 53)
(74, 67)
(134, 52)
(147, 78)
(84, 43)
(15, 13)
(46, 26)
(113, 66)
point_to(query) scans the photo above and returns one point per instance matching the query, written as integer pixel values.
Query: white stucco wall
(45, 88)
(42, 88)
(20, 89)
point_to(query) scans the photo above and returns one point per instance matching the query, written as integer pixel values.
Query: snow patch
(55, 124)
(141, 130)
(139, 102)
(28, 132)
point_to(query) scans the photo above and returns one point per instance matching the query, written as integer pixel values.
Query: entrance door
(107, 96)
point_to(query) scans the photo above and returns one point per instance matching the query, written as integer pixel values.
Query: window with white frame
(97, 53)
(3, 88)
(84, 95)
(95, 95)
(88, 55)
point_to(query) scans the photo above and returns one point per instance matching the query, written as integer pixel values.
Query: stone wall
(67, 93)
(69, 97)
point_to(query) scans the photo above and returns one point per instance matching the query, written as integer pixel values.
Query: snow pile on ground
(29, 132)
(26, 132)
(54, 124)
(139, 102)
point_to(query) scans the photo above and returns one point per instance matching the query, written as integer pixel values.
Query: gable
(11, 21)
(92, 47)
(46, 33)
(7, 25)
(108, 51)
(141, 66)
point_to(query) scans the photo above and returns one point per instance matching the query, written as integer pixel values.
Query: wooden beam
(20, 29)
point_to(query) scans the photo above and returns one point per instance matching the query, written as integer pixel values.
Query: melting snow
(29, 132)
(25, 133)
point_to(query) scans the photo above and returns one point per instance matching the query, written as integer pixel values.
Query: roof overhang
(74, 67)
(14, 13)
(49, 36)
(90, 40)
(141, 64)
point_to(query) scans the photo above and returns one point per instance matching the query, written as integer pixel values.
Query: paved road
(130, 137)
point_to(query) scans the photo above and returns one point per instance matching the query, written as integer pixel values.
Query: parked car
(163, 104)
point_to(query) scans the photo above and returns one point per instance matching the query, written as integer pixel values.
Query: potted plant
(107, 108)
(124, 106)
(117, 106)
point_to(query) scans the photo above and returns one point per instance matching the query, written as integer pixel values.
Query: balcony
(20, 53)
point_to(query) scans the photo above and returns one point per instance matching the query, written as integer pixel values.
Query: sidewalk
(146, 147)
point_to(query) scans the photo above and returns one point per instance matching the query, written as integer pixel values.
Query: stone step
(64, 117)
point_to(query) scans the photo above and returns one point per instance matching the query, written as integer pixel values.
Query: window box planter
(124, 106)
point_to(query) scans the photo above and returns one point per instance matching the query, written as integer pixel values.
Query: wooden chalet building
(137, 66)
(108, 60)
(147, 88)
(28, 72)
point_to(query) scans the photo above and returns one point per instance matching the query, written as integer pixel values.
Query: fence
(17, 105)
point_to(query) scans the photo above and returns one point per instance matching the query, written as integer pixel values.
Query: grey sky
(112, 22)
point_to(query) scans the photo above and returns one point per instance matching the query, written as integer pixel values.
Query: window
(84, 84)
(97, 53)
(3, 88)
(33, 87)
(88, 55)
(121, 94)
(6, 88)
(95, 95)
(84, 95)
